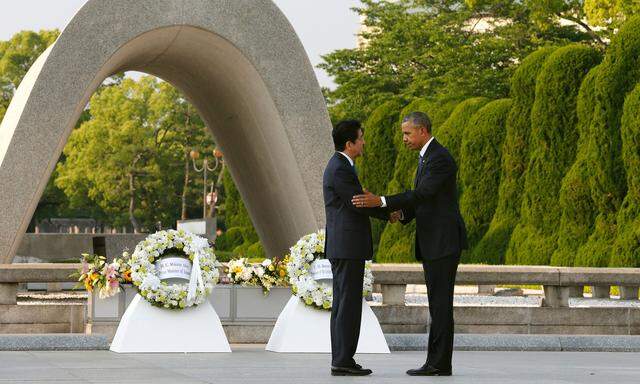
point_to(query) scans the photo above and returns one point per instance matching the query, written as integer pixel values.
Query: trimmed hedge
(452, 130)
(515, 153)
(626, 247)
(553, 148)
(619, 73)
(397, 241)
(237, 218)
(578, 210)
(481, 152)
(375, 167)
(229, 239)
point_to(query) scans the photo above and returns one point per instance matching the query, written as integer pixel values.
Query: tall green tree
(515, 155)
(129, 157)
(625, 251)
(578, 210)
(436, 49)
(481, 153)
(616, 77)
(553, 147)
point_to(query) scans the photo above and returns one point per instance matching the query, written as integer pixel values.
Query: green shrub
(229, 239)
(452, 130)
(552, 151)
(241, 250)
(578, 210)
(626, 247)
(375, 167)
(619, 73)
(256, 251)
(480, 153)
(515, 153)
(397, 241)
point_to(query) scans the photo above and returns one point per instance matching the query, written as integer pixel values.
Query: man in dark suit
(440, 234)
(348, 245)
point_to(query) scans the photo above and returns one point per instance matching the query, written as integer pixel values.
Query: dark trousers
(346, 310)
(440, 276)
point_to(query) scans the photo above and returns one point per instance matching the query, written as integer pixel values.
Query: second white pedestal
(304, 329)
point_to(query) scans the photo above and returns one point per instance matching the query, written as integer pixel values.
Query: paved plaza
(250, 364)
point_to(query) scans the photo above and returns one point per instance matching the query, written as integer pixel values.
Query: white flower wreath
(308, 249)
(204, 271)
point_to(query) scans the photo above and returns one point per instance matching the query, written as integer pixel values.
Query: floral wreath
(204, 271)
(308, 249)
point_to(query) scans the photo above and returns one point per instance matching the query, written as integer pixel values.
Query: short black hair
(418, 119)
(346, 130)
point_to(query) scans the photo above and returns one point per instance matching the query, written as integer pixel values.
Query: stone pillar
(600, 291)
(393, 294)
(555, 296)
(628, 293)
(8, 293)
(576, 291)
(486, 289)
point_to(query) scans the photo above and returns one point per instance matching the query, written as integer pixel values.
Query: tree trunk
(132, 204)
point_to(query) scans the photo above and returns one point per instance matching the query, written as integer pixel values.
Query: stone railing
(559, 283)
(49, 318)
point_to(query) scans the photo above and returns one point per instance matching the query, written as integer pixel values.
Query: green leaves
(128, 158)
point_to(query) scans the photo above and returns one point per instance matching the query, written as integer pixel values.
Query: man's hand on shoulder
(366, 200)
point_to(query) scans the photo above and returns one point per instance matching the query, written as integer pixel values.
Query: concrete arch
(238, 61)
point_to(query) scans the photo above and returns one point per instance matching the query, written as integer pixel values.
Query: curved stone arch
(238, 61)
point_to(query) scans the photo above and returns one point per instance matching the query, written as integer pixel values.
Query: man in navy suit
(348, 245)
(440, 233)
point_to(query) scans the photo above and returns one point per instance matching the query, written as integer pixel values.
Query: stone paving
(251, 364)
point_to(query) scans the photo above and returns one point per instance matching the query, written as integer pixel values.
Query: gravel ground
(465, 296)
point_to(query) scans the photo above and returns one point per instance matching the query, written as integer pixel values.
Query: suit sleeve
(441, 168)
(346, 186)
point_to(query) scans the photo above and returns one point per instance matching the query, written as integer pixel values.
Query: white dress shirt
(422, 152)
(348, 158)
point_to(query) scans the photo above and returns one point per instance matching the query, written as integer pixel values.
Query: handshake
(395, 216)
(369, 200)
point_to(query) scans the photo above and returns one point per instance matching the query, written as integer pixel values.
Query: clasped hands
(370, 200)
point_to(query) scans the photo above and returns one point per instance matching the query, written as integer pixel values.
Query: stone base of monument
(301, 329)
(148, 329)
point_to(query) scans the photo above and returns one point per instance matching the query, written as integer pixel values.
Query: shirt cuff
(384, 202)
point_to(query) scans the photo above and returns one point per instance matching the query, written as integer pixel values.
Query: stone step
(514, 342)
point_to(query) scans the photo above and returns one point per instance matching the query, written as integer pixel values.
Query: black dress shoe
(356, 370)
(427, 370)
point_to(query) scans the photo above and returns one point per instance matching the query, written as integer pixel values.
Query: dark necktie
(419, 171)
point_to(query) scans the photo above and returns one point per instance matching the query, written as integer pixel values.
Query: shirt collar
(348, 158)
(424, 148)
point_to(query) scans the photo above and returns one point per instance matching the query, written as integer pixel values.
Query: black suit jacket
(348, 230)
(440, 230)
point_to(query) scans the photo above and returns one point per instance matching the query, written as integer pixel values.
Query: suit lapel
(427, 155)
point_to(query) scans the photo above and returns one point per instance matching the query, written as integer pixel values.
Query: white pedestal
(303, 329)
(148, 329)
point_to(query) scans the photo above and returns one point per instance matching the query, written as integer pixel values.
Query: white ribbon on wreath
(195, 280)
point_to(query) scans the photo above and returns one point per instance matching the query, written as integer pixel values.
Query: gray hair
(418, 119)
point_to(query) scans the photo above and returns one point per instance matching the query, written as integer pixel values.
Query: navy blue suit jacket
(440, 230)
(348, 230)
